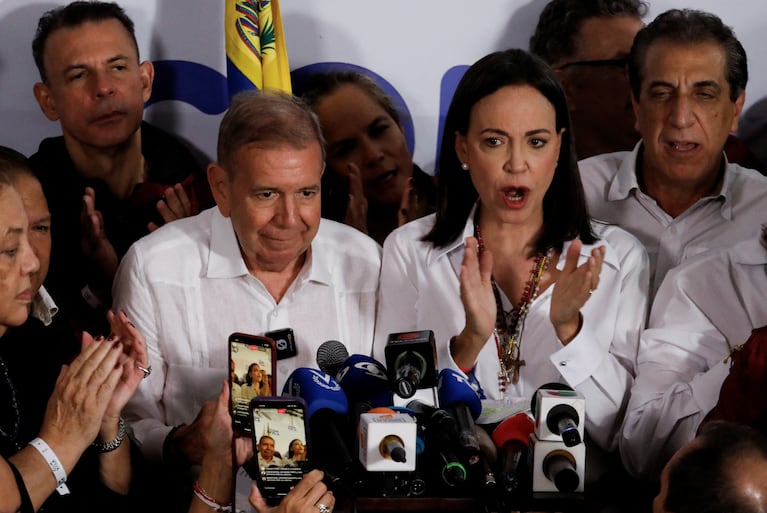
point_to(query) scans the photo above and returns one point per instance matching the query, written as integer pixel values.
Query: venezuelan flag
(256, 55)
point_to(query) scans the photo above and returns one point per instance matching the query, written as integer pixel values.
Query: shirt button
(563, 364)
(673, 230)
(275, 313)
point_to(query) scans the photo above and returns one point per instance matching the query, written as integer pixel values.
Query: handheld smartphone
(252, 373)
(280, 436)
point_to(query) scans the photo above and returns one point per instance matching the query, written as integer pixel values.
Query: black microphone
(488, 456)
(410, 360)
(440, 433)
(331, 356)
(561, 419)
(458, 397)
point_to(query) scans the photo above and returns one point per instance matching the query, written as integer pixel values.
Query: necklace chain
(510, 326)
(16, 416)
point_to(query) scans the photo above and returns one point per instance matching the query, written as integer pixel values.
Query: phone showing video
(280, 443)
(252, 373)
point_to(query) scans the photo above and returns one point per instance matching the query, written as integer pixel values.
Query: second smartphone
(281, 444)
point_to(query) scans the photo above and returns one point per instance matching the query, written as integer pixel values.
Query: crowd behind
(593, 220)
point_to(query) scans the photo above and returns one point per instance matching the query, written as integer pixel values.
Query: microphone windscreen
(318, 389)
(364, 378)
(548, 386)
(517, 427)
(453, 388)
(331, 356)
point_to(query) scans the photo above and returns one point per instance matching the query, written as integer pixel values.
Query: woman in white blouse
(519, 285)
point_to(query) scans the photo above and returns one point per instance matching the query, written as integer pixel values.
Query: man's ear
(218, 179)
(45, 101)
(146, 70)
(738, 106)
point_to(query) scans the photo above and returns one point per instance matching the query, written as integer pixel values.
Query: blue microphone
(458, 397)
(364, 380)
(327, 409)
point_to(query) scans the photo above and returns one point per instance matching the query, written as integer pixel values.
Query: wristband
(209, 501)
(112, 444)
(53, 463)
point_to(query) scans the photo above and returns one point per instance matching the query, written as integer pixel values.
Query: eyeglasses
(599, 64)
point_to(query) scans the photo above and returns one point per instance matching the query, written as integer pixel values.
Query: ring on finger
(323, 509)
(146, 370)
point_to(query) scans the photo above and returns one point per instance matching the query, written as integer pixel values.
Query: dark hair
(565, 215)
(248, 378)
(14, 164)
(290, 446)
(700, 481)
(560, 20)
(266, 119)
(74, 15)
(688, 27)
(319, 85)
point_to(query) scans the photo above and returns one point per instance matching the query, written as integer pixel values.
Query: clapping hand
(574, 285)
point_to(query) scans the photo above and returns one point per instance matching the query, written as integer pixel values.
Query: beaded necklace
(16, 417)
(510, 326)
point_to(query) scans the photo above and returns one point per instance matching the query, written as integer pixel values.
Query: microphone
(458, 397)
(440, 432)
(365, 382)
(410, 358)
(512, 438)
(556, 409)
(331, 356)
(559, 456)
(326, 408)
(488, 456)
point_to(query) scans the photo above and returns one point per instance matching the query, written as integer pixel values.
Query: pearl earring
(464, 166)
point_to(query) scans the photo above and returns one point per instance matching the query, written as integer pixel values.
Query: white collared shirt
(43, 307)
(420, 291)
(732, 214)
(704, 307)
(186, 287)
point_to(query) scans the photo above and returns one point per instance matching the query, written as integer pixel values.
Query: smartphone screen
(280, 443)
(252, 367)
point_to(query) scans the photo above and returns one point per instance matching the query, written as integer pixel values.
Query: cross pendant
(515, 365)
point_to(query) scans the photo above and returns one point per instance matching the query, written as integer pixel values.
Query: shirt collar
(456, 246)
(454, 251)
(625, 181)
(225, 259)
(43, 307)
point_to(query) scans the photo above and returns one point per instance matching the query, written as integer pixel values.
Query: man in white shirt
(704, 309)
(676, 191)
(261, 260)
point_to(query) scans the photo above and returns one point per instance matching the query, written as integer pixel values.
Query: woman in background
(370, 181)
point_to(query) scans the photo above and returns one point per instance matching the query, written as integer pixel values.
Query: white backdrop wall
(410, 43)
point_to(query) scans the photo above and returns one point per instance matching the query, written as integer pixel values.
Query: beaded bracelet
(53, 463)
(201, 494)
(112, 444)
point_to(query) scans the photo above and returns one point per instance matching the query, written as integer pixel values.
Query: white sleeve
(680, 371)
(603, 370)
(397, 294)
(144, 411)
